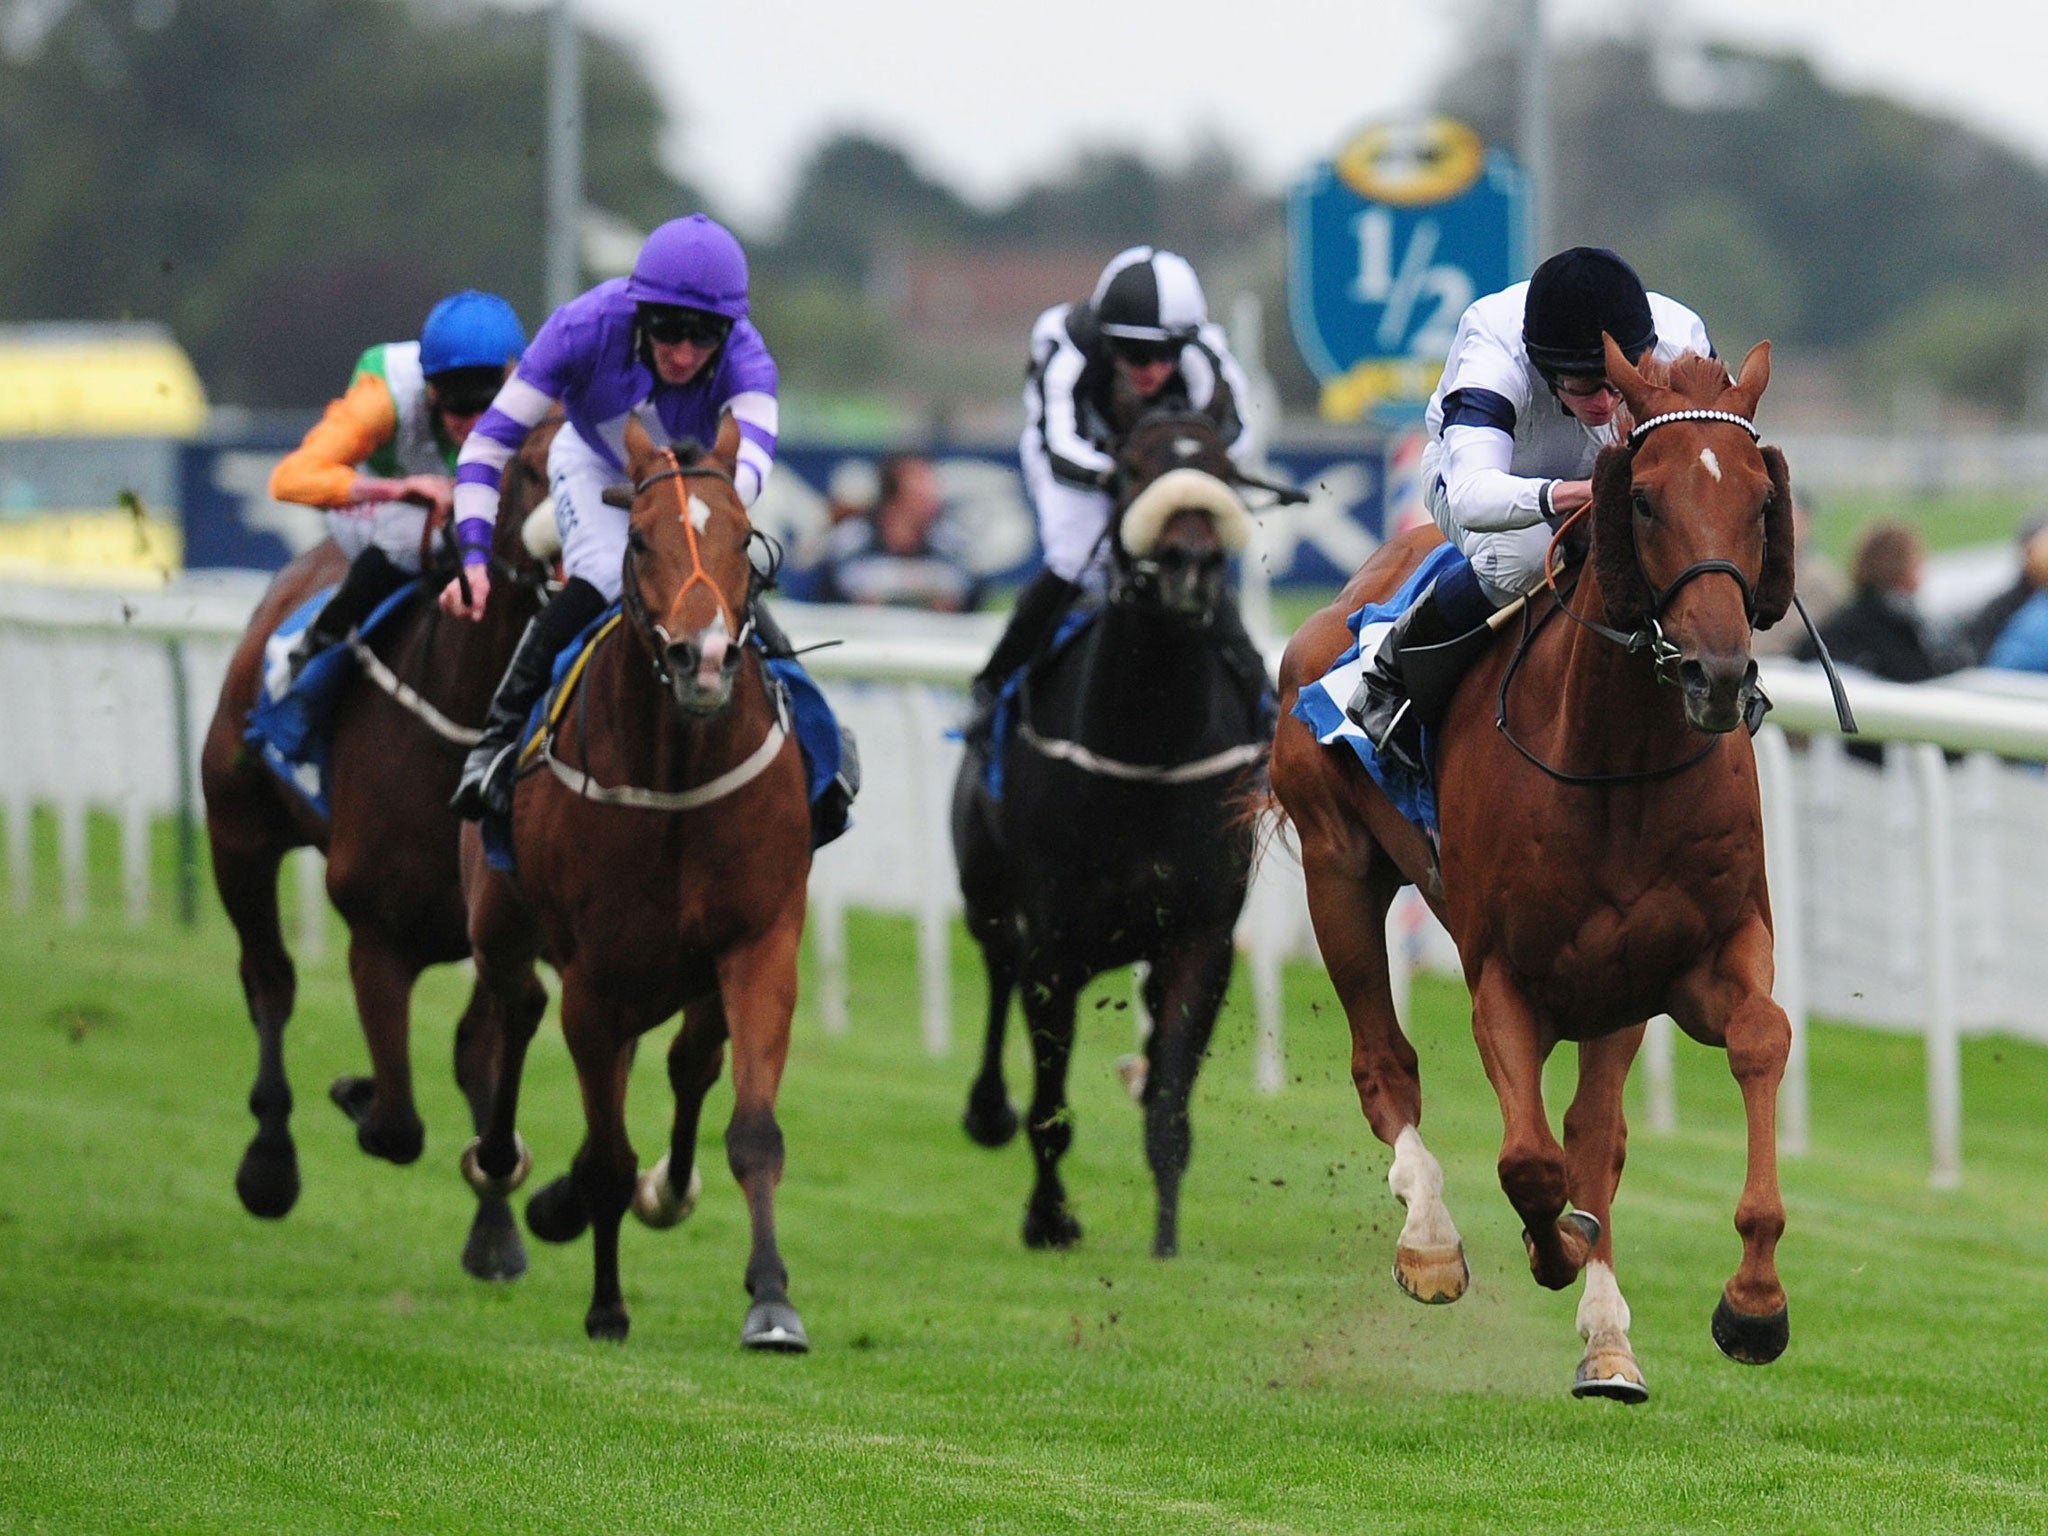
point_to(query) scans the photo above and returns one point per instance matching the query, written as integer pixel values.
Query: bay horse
(662, 864)
(1601, 853)
(392, 854)
(1118, 835)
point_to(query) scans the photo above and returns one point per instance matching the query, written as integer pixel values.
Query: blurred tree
(287, 182)
(858, 199)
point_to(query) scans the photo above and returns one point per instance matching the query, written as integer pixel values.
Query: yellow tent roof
(97, 381)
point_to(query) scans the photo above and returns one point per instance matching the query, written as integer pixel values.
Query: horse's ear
(1622, 584)
(1751, 379)
(725, 453)
(1622, 374)
(1774, 586)
(640, 449)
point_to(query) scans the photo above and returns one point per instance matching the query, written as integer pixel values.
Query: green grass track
(170, 1364)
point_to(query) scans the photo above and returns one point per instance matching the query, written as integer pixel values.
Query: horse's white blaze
(700, 514)
(1417, 1180)
(1713, 464)
(1185, 490)
(1602, 1308)
(713, 641)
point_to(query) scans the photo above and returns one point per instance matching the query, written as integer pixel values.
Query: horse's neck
(1612, 715)
(1145, 689)
(657, 746)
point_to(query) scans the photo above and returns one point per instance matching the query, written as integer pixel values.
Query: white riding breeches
(392, 526)
(593, 533)
(1072, 522)
(1508, 561)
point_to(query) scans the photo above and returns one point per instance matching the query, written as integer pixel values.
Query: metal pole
(565, 155)
(1533, 132)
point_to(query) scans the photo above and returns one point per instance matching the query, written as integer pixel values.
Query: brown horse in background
(662, 865)
(1602, 853)
(391, 844)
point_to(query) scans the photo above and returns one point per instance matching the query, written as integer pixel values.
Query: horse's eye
(637, 541)
(1642, 505)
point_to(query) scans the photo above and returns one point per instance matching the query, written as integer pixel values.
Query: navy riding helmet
(1574, 297)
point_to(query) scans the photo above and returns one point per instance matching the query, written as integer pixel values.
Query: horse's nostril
(1692, 677)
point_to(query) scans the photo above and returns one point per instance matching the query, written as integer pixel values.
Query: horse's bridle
(739, 616)
(1648, 636)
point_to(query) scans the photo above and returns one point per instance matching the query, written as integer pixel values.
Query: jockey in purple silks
(671, 345)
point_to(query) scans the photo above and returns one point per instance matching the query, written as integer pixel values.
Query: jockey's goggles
(1580, 388)
(1141, 351)
(673, 327)
(467, 391)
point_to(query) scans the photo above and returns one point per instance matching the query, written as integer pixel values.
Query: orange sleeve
(322, 469)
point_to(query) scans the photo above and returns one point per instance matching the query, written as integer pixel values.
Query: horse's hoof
(555, 1214)
(1132, 1070)
(992, 1124)
(494, 1251)
(490, 1186)
(353, 1097)
(1433, 1276)
(774, 1325)
(607, 1325)
(1586, 1227)
(1054, 1229)
(1609, 1370)
(655, 1201)
(402, 1145)
(268, 1180)
(1750, 1340)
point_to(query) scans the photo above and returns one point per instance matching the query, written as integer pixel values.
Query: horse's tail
(1256, 807)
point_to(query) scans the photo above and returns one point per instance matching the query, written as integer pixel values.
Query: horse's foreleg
(991, 1118)
(1532, 1168)
(668, 1191)
(1349, 910)
(1751, 1323)
(1049, 1014)
(1182, 993)
(245, 872)
(504, 941)
(757, 989)
(605, 1170)
(386, 1118)
(1595, 1147)
(493, 1250)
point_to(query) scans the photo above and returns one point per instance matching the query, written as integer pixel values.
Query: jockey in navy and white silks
(671, 344)
(1143, 340)
(1522, 411)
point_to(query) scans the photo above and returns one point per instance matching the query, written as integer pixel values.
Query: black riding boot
(371, 578)
(774, 639)
(833, 808)
(1385, 706)
(486, 783)
(1032, 622)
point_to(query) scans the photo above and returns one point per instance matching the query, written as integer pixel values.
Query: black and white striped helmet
(1149, 295)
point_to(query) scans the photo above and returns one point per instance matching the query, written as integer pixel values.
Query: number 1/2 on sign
(1419, 298)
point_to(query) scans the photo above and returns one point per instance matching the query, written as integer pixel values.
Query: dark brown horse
(392, 857)
(1601, 854)
(1118, 836)
(662, 859)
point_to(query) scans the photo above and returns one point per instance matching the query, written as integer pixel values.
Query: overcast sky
(990, 96)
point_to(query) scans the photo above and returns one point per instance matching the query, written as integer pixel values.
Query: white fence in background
(1906, 896)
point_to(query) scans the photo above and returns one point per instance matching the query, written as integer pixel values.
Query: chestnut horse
(391, 844)
(1601, 859)
(1119, 835)
(662, 864)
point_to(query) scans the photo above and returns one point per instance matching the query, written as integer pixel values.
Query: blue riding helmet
(470, 330)
(694, 263)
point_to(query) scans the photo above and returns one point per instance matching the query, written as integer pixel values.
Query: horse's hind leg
(1349, 909)
(1751, 1324)
(1595, 1147)
(1183, 994)
(668, 1191)
(493, 1250)
(605, 1169)
(757, 988)
(246, 859)
(386, 1119)
(1049, 1011)
(991, 1118)
(1532, 1166)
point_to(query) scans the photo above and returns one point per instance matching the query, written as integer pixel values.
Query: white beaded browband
(1643, 428)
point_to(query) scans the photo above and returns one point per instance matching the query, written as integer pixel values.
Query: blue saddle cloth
(1009, 698)
(816, 728)
(292, 723)
(1320, 705)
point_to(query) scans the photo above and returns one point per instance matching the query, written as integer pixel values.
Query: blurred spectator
(852, 491)
(904, 553)
(1823, 589)
(1879, 630)
(1987, 625)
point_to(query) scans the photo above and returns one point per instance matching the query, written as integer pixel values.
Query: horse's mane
(1701, 380)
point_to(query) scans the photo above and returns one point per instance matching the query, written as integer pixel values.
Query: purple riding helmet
(694, 262)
